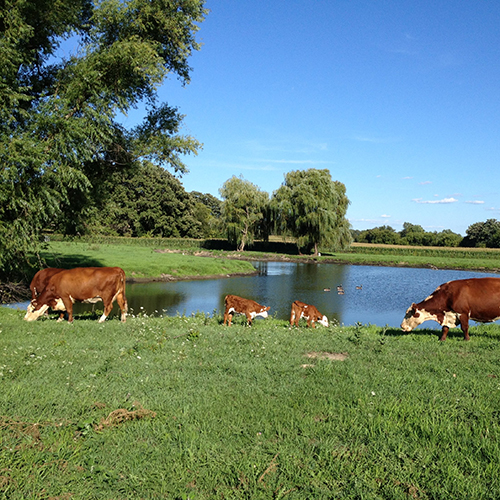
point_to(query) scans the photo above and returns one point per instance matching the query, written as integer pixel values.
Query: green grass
(139, 261)
(243, 413)
(454, 258)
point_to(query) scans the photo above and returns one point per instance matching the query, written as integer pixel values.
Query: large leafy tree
(146, 201)
(244, 207)
(483, 234)
(207, 211)
(312, 207)
(68, 69)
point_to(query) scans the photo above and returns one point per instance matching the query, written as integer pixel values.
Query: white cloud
(385, 216)
(444, 200)
(475, 202)
(425, 182)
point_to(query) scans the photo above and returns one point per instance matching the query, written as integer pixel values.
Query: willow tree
(68, 71)
(312, 207)
(244, 208)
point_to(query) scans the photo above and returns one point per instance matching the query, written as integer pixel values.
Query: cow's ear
(414, 306)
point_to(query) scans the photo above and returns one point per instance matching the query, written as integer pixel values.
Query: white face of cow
(32, 315)
(413, 318)
(262, 313)
(323, 321)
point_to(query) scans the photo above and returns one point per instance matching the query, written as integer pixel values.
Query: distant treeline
(480, 235)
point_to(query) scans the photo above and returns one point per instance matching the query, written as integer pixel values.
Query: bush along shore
(184, 407)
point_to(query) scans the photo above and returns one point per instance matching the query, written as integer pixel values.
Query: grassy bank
(140, 261)
(186, 408)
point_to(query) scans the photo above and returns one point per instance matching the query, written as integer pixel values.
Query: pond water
(385, 295)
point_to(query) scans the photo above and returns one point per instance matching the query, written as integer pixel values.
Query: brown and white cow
(308, 312)
(455, 303)
(82, 284)
(238, 305)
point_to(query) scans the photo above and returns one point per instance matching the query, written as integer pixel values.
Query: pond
(384, 296)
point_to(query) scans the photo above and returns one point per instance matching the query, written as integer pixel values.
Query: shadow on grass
(453, 333)
(256, 246)
(70, 261)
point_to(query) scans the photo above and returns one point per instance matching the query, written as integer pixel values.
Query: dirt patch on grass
(121, 415)
(332, 356)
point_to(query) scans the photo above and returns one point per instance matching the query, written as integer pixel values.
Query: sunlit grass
(260, 412)
(139, 261)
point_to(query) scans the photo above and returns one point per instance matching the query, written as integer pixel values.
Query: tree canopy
(67, 71)
(312, 208)
(243, 211)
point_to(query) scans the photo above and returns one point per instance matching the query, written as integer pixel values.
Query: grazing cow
(238, 305)
(82, 284)
(455, 303)
(308, 312)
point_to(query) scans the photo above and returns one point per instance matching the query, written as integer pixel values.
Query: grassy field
(184, 408)
(140, 261)
(139, 257)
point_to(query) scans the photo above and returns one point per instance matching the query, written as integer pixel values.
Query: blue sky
(400, 100)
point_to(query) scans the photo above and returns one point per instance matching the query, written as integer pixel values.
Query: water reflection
(385, 295)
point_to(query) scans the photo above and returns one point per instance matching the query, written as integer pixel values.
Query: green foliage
(483, 234)
(411, 234)
(244, 208)
(382, 234)
(312, 208)
(59, 134)
(261, 412)
(208, 210)
(146, 200)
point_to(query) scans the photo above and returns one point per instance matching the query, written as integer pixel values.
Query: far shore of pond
(303, 259)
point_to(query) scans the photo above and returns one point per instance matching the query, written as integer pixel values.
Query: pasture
(183, 407)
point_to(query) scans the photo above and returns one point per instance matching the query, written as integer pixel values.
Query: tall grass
(211, 412)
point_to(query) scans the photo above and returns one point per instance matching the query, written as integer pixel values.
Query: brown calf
(308, 312)
(238, 305)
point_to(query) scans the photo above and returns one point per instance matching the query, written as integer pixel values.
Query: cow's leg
(444, 333)
(464, 323)
(108, 307)
(68, 305)
(292, 317)
(249, 319)
(122, 304)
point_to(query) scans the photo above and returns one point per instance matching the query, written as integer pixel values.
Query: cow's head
(323, 321)
(412, 319)
(261, 312)
(39, 306)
